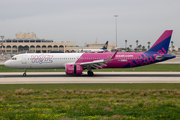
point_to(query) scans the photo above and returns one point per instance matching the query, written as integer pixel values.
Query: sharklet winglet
(113, 56)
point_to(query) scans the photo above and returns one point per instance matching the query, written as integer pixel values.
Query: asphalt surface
(99, 77)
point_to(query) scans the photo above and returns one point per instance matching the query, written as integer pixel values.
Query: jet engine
(72, 69)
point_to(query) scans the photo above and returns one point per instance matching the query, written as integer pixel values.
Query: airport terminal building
(28, 42)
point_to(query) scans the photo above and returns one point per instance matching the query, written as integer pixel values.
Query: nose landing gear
(24, 74)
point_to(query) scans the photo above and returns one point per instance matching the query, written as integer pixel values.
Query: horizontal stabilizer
(164, 56)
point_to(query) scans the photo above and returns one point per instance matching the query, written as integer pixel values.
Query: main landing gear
(24, 74)
(90, 73)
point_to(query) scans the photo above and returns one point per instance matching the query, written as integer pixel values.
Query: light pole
(116, 28)
(2, 37)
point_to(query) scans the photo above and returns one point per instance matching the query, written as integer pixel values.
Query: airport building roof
(26, 40)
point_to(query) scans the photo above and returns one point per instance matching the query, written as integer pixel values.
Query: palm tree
(149, 45)
(127, 49)
(172, 45)
(139, 47)
(143, 48)
(137, 41)
(130, 47)
(125, 44)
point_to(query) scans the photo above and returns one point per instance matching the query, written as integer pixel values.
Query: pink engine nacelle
(73, 69)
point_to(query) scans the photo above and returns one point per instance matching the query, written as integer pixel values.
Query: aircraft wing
(97, 64)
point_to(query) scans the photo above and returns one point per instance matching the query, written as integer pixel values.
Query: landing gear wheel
(24, 74)
(90, 73)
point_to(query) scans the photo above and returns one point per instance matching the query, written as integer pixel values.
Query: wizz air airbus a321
(75, 63)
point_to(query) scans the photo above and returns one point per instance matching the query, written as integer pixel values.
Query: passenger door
(23, 59)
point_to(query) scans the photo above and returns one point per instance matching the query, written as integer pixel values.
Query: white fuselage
(42, 61)
(89, 50)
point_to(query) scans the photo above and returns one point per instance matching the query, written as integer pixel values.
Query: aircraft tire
(24, 74)
(90, 73)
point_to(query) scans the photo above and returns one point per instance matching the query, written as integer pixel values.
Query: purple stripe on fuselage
(121, 59)
(165, 35)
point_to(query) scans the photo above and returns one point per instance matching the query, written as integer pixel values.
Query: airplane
(75, 63)
(93, 50)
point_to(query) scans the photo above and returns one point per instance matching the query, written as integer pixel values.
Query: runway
(99, 77)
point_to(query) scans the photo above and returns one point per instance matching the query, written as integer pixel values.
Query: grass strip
(108, 104)
(91, 86)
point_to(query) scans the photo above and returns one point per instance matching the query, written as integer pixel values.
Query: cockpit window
(14, 58)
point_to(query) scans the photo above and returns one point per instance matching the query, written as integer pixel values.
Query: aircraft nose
(7, 64)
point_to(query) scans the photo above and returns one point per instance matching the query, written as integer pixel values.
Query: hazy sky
(84, 21)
